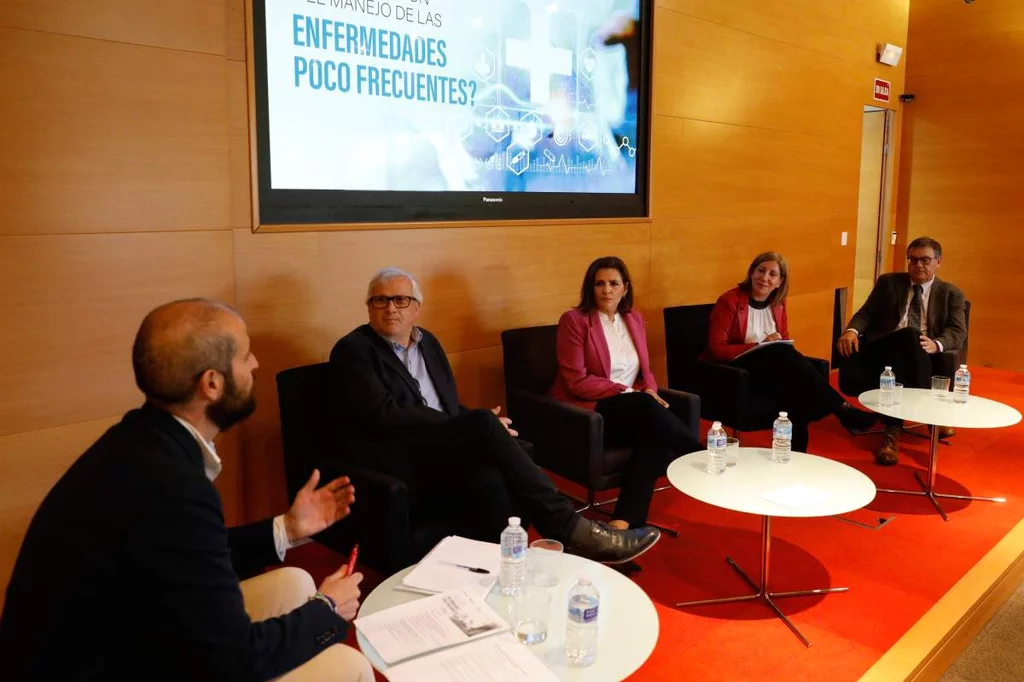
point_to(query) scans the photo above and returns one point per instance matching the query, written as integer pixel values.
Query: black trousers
(782, 377)
(656, 435)
(471, 467)
(900, 350)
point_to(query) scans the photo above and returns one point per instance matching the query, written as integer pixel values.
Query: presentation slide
(453, 95)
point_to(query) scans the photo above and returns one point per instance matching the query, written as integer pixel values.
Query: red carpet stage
(894, 574)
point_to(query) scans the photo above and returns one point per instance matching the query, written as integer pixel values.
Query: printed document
(426, 625)
(495, 659)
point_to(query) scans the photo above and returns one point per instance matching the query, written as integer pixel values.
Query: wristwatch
(320, 596)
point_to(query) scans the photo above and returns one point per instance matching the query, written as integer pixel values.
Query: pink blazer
(727, 332)
(584, 362)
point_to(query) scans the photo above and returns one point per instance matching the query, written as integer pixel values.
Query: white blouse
(760, 323)
(625, 363)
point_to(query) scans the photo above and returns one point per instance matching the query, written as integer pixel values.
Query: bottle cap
(514, 521)
(887, 368)
(583, 579)
(716, 425)
(963, 366)
(784, 414)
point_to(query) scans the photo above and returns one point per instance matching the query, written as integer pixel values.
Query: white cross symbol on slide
(537, 56)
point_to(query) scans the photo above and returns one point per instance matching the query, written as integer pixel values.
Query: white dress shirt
(760, 323)
(212, 465)
(625, 363)
(926, 290)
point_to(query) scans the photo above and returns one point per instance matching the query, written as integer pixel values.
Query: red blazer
(584, 362)
(727, 332)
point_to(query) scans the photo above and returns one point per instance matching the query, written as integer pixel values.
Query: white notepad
(441, 570)
(796, 496)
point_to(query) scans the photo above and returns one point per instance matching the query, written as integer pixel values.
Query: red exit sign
(882, 89)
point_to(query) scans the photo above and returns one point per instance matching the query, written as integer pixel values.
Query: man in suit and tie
(909, 319)
(397, 407)
(128, 572)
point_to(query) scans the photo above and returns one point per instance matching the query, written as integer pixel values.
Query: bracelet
(320, 596)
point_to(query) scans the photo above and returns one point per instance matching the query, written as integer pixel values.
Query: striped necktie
(914, 314)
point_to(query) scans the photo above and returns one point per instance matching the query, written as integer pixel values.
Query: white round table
(816, 486)
(627, 623)
(924, 406)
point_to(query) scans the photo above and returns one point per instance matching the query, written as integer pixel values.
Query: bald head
(178, 342)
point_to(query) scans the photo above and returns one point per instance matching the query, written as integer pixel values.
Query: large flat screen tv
(440, 110)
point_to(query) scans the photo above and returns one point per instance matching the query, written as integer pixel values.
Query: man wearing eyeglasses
(398, 411)
(909, 320)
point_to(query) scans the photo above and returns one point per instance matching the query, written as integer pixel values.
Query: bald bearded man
(128, 571)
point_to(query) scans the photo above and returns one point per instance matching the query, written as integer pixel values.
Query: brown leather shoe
(946, 432)
(888, 454)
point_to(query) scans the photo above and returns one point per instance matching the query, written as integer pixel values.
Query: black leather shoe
(854, 419)
(597, 541)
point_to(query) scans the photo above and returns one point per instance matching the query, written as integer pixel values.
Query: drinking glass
(544, 559)
(732, 451)
(532, 612)
(897, 394)
(940, 387)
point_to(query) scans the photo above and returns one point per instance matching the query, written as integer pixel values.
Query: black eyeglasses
(923, 260)
(381, 302)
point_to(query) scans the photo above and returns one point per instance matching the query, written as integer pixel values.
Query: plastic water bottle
(782, 439)
(513, 558)
(716, 449)
(581, 626)
(887, 388)
(961, 385)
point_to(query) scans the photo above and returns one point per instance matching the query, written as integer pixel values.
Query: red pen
(352, 559)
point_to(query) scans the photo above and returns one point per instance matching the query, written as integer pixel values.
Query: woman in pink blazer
(753, 314)
(603, 365)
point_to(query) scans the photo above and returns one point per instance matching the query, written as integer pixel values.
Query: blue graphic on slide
(453, 95)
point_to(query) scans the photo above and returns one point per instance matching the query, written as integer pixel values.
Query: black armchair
(389, 537)
(568, 440)
(853, 382)
(724, 390)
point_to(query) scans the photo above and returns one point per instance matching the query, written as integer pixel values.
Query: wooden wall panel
(962, 145)
(72, 305)
(108, 137)
(748, 79)
(703, 168)
(188, 25)
(810, 317)
(839, 28)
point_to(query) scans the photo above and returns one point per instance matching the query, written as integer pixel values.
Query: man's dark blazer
(128, 572)
(379, 405)
(882, 312)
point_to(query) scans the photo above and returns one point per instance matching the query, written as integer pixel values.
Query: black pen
(471, 569)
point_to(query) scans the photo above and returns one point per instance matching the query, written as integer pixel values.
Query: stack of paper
(426, 625)
(456, 564)
(495, 659)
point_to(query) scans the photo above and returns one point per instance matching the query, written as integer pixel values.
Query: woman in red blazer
(603, 365)
(754, 314)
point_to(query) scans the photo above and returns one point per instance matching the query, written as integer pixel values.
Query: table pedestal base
(761, 592)
(928, 487)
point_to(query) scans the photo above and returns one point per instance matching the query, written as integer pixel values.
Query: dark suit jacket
(881, 313)
(128, 572)
(379, 404)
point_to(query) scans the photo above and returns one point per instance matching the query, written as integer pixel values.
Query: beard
(232, 407)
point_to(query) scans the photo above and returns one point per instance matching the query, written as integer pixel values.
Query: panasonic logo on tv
(492, 200)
